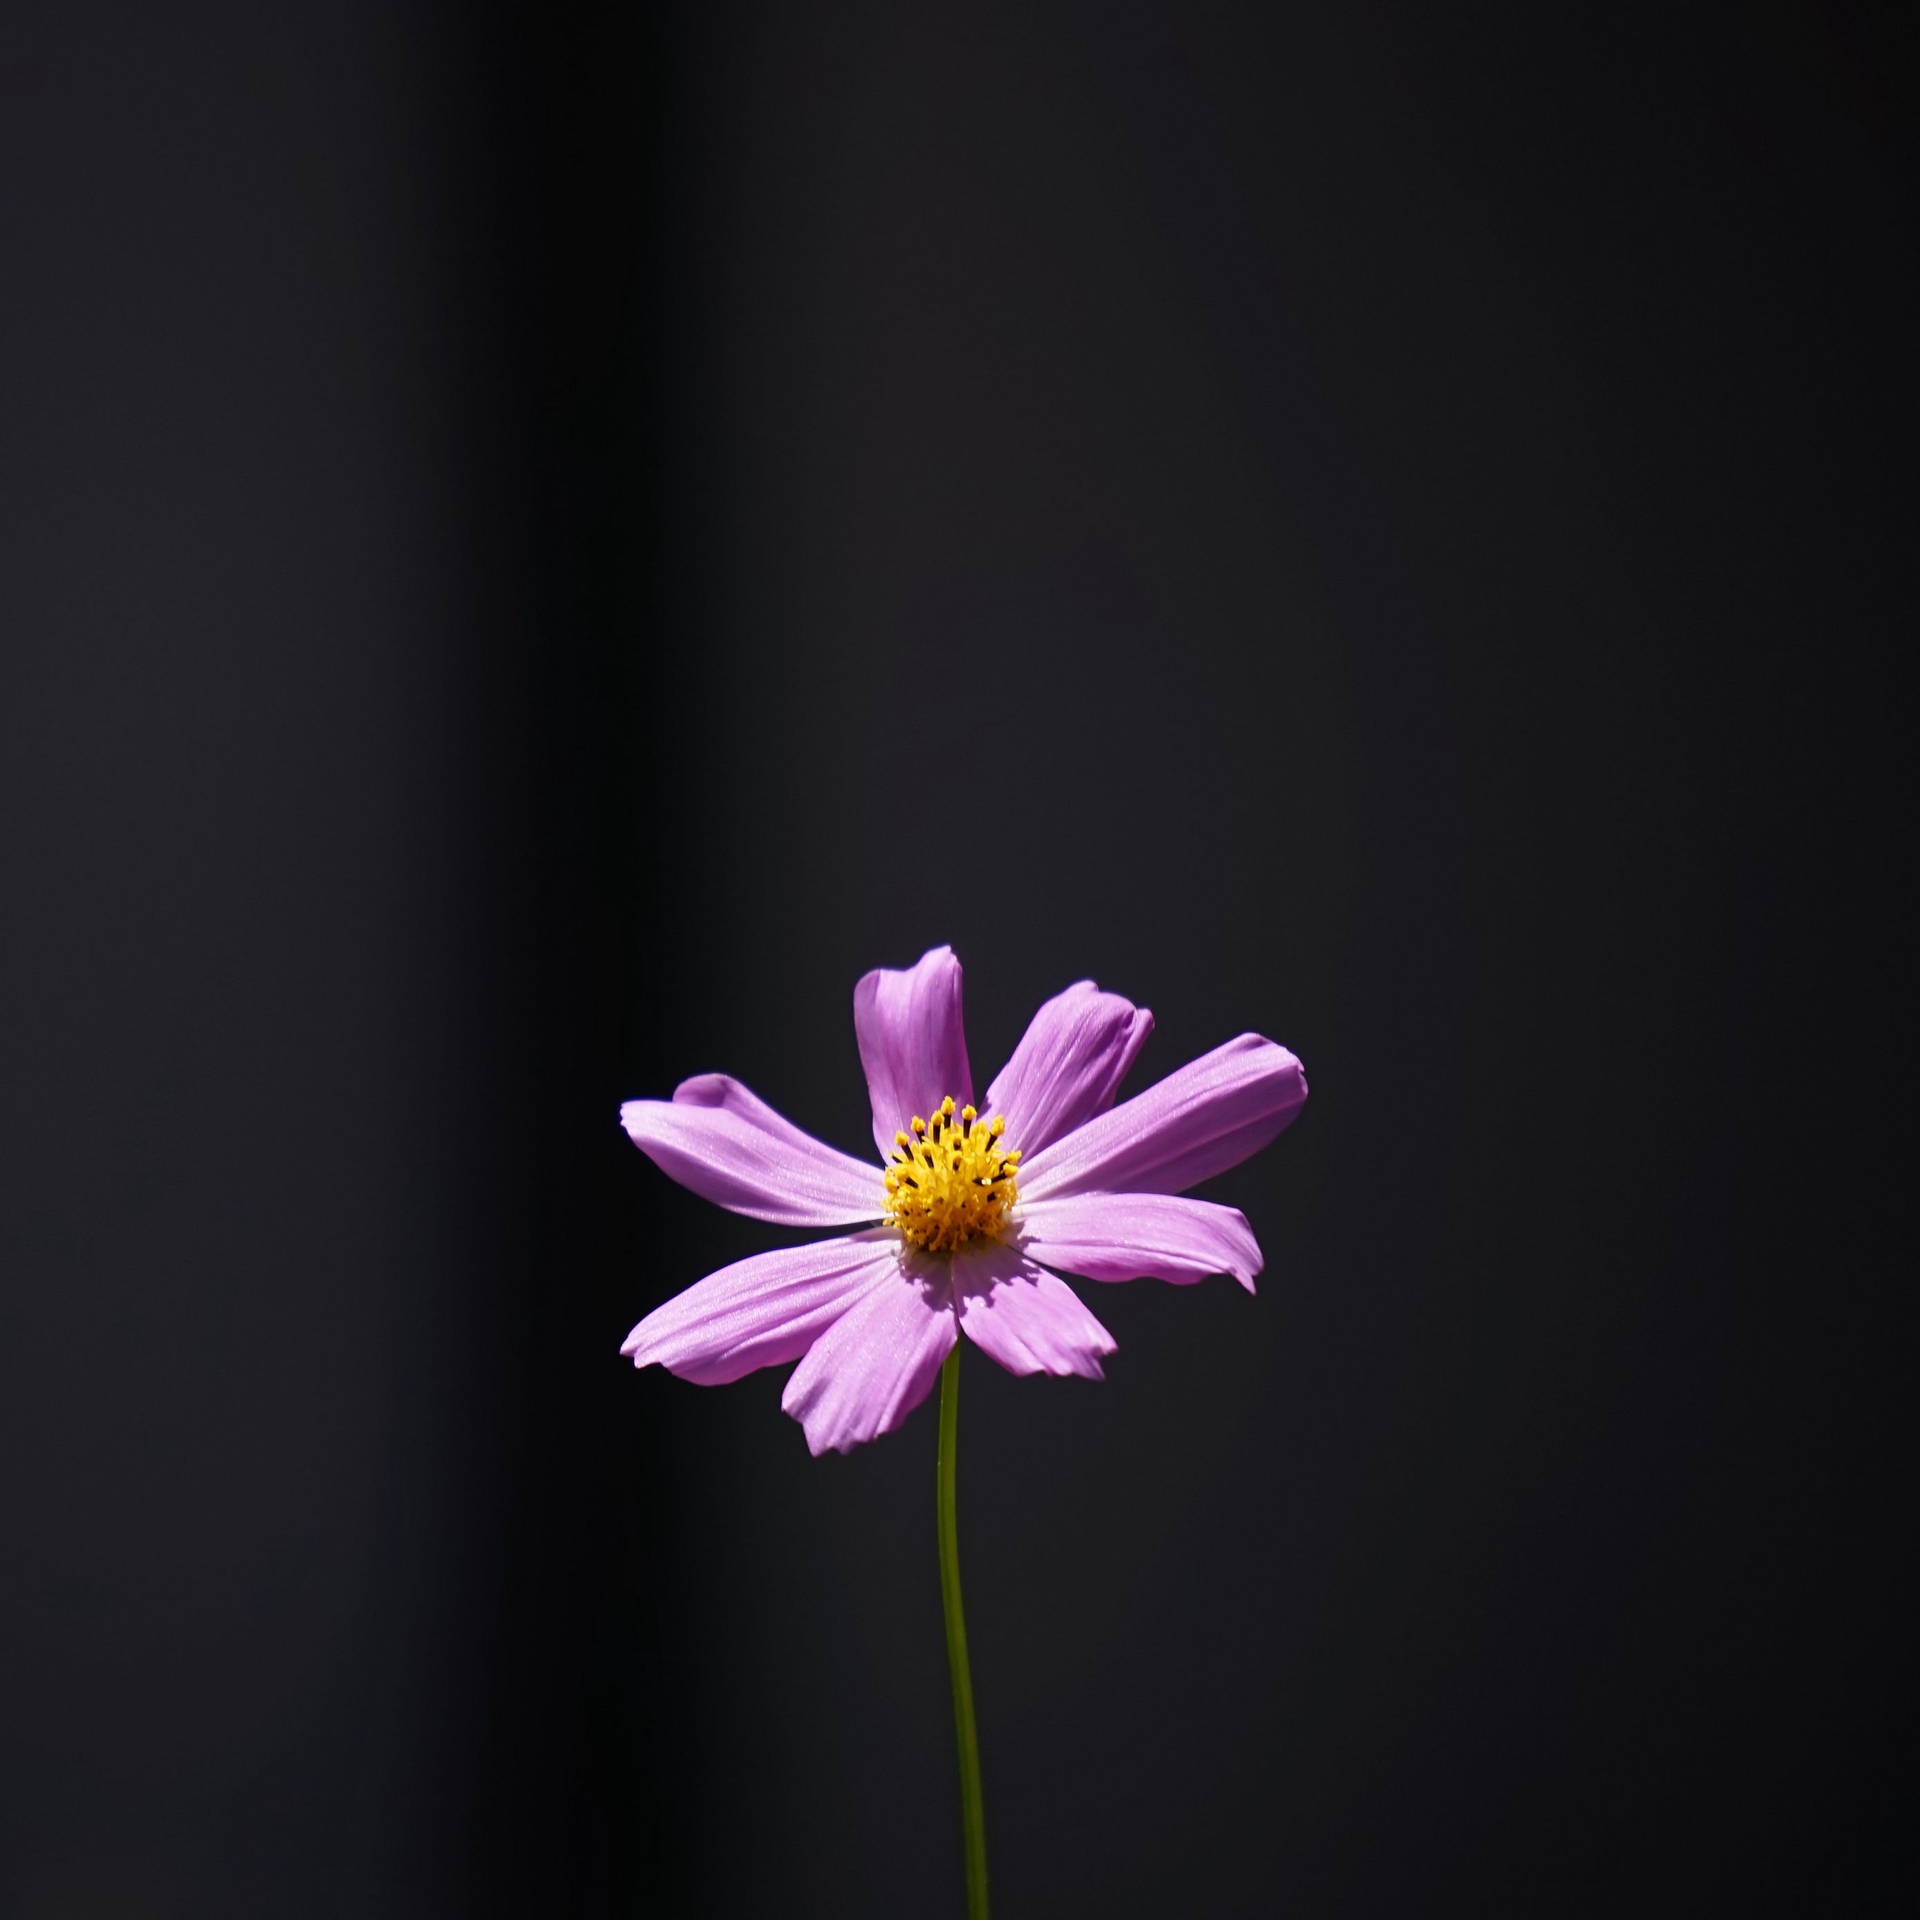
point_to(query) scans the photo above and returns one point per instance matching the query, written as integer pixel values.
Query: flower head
(960, 1228)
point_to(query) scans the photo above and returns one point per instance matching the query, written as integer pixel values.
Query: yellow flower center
(950, 1181)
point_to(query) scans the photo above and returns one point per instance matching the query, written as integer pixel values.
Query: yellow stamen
(951, 1184)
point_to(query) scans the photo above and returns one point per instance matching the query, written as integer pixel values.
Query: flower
(961, 1228)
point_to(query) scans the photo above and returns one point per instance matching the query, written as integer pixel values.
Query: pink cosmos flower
(960, 1228)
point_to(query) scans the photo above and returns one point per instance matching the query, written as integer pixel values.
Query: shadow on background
(541, 546)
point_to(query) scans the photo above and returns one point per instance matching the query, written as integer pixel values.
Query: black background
(540, 544)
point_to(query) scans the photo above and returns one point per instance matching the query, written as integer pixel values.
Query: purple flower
(970, 1211)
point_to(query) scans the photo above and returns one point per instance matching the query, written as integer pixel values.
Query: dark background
(541, 543)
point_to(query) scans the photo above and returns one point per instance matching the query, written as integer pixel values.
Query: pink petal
(1025, 1317)
(1199, 1121)
(764, 1311)
(1069, 1064)
(733, 1149)
(912, 1043)
(1134, 1236)
(877, 1362)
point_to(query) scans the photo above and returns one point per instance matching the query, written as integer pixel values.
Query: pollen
(951, 1179)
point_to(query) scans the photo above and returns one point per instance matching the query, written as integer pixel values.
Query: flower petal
(1135, 1236)
(877, 1362)
(1069, 1064)
(764, 1311)
(732, 1148)
(1206, 1117)
(912, 1042)
(1028, 1319)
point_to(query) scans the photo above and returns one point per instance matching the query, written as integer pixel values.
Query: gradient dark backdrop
(539, 544)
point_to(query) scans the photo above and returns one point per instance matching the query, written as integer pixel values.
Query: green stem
(973, 1823)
